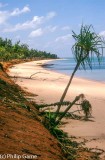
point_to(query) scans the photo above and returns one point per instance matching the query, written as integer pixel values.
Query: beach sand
(49, 86)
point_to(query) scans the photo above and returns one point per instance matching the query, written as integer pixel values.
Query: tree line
(9, 51)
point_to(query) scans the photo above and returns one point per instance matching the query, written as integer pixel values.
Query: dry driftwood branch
(37, 73)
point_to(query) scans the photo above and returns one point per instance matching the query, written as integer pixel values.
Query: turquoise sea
(67, 65)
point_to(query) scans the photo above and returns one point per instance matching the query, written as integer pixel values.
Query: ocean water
(67, 65)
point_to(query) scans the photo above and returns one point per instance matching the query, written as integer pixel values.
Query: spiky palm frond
(87, 45)
(86, 108)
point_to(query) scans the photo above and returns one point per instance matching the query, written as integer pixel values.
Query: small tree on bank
(87, 45)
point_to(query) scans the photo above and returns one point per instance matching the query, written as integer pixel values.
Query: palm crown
(87, 45)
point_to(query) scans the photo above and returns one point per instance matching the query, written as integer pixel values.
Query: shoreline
(49, 86)
(75, 76)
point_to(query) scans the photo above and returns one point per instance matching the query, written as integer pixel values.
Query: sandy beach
(49, 86)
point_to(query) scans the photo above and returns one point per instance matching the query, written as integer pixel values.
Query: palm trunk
(66, 89)
(67, 109)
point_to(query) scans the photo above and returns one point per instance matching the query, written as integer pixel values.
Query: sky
(47, 24)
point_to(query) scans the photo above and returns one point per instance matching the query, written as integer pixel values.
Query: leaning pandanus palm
(87, 45)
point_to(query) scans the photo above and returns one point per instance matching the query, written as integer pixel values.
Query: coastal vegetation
(10, 51)
(21, 130)
(21, 127)
(87, 44)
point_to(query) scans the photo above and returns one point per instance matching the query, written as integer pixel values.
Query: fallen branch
(37, 73)
(65, 103)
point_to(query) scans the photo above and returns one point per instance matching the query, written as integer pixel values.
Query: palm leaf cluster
(87, 45)
(86, 108)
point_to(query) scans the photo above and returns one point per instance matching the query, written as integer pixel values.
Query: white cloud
(65, 28)
(51, 28)
(51, 15)
(36, 33)
(41, 31)
(35, 22)
(5, 15)
(102, 33)
(17, 11)
(26, 25)
(63, 38)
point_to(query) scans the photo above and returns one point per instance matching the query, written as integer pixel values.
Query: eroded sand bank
(49, 85)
